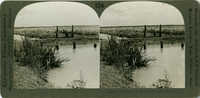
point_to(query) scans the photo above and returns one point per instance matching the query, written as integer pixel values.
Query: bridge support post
(145, 44)
(145, 29)
(161, 44)
(74, 45)
(72, 31)
(154, 34)
(160, 30)
(95, 45)
(182, 45)
(56, 31)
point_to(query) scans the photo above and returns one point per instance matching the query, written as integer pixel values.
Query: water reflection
(84, 58)
(169, 59)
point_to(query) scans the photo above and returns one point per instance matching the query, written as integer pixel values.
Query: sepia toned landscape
(131, 54)
(53, 51)
(124, 47)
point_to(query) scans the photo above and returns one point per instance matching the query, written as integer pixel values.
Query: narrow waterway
(170, 60)
(81, 63)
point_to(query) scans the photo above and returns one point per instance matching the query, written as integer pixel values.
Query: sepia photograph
(99, 48)
(56, 45)
(142, 46)
(68, 45)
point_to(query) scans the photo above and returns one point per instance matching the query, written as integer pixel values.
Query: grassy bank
(151, 41)
(36, 58)
(111, 77)
(120, 58)
(26, 78)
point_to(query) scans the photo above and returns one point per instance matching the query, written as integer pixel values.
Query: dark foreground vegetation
(119, 58)
(26, 78)
(123, 53)
(39, 59)
(123, 56)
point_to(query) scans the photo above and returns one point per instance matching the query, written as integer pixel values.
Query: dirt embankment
(25, 78)
(113, 78)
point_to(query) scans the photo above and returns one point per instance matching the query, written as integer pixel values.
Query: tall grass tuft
(123, 53)
(37, 57)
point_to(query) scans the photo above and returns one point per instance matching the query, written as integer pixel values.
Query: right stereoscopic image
(142, 46)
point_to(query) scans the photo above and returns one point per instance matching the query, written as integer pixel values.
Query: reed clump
(37, 57)
(121, 53)
(124, 56)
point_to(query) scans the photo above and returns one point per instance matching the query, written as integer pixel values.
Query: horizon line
(100, 25)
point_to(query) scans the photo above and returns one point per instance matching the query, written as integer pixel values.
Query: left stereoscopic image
(56, 47)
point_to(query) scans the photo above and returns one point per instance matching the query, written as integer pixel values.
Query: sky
(140, 13)
(71, 13)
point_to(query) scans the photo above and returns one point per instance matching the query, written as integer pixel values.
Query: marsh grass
(122, 53)
(168, 32)
(50, 31)
(125, 57)
(138, 31)
(39, 58)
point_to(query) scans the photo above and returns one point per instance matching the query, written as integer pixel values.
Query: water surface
(83, 64)
(170, 60)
